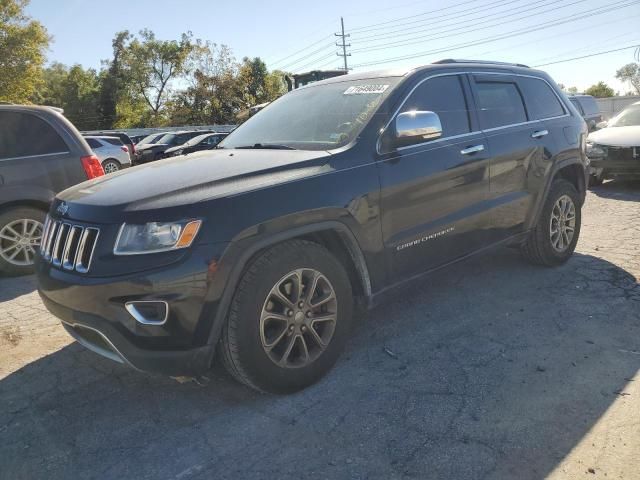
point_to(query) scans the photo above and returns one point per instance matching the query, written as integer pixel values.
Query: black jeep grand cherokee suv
(323, 201)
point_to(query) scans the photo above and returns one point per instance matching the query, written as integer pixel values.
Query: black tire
(241, 346)
(7, 217)
(110, 162)
(538, 248)
(595, 180)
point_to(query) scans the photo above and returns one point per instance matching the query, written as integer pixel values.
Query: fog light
(149, 312)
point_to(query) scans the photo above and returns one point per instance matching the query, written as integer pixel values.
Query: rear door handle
(539, 133)
(470, 150)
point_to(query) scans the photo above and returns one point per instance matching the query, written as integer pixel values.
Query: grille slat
(68, 246)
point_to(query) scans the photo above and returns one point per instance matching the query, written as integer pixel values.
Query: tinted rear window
(113, 141)
(540, 99)
(576, 104)
(589, 105)
(499, 104)
(93, 143)
(23, 134)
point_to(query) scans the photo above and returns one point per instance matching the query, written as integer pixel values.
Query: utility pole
(344, 45)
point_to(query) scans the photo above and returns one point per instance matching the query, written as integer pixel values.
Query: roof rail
(458, 60)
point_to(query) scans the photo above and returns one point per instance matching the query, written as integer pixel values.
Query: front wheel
(553, 240)
(289, 319)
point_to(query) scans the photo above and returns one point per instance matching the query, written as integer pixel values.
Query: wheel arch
(335, 236)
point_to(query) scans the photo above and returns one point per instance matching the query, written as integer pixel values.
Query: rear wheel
(554, 238)
(20, 236)
(110, 166)
(289, 319)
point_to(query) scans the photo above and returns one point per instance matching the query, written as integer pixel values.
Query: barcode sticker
(365, 89)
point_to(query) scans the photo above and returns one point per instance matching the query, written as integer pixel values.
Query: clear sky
(298, 36)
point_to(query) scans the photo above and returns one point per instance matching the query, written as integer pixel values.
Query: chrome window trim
(35, 156)
(475, 132)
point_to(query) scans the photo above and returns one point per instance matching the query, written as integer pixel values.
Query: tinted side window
(444, 96)
(22, 135)
(113, 141)
(590, 106)
(93, 143)
(541, 101)
(499, 104)
(576, 104)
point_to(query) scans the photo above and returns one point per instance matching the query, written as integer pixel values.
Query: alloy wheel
(563, 223)
(110, 167)
(298, 318)
(19, 240)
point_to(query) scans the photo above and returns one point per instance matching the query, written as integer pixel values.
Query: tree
(150, 65)
(23, 43)
(630, 73)
(572, 90)
(600, 90)
(75, 90)
(111, 82)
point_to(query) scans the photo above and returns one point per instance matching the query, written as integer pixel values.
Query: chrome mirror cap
(423, 125)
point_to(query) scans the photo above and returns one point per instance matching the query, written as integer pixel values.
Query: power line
(343, 44)
(455, 32)
(314, 62)
(492, 17)
(587, 56)
(306, 56)
(301, 50)
(513, 33)
(430, 21)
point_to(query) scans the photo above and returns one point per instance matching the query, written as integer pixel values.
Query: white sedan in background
(112, 153)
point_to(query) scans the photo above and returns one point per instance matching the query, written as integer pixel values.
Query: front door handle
(539, 133)
(470, 150)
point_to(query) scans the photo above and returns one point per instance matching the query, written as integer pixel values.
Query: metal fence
(613, 105)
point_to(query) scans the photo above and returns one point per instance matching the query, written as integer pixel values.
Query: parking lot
(490, 369)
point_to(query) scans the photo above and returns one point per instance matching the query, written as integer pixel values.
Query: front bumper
(617, 163)
(93, 310)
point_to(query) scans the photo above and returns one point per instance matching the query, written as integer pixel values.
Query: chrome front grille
(68, 246)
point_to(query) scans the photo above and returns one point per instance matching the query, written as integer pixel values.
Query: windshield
(198, 139)
(318, 117)
(149, 139)
(166, 138)
(628, 117)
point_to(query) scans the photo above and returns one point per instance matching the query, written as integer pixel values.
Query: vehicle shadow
(625, 190)
(13, 287)
(490, 368)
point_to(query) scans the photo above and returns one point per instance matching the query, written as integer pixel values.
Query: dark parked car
(206, 141)
(588, 108)
(41, 154)
(126, 140)
(147, 139)
(155, 151)
(330, 199)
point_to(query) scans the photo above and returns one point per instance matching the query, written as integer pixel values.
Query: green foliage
(23, 43)
(630, 73)
(600, 90)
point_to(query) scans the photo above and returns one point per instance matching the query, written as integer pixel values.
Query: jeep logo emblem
(62, 209)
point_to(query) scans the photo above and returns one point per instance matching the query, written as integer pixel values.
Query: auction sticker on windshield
(363, 89)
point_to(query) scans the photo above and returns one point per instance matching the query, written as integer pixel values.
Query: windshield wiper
(272, 146)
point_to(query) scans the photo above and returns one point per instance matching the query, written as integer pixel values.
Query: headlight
(595, 150)
(155, 237)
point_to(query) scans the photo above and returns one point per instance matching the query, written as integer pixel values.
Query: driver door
(434, 193)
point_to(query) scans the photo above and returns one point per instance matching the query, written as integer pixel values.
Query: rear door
(434, 193)
(34, 159)
(518, 148)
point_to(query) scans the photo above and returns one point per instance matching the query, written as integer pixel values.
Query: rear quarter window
(93, 143)
(23, 135)
(540, 99)
(589, 105)
(113, 141)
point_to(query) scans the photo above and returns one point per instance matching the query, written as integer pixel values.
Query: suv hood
(617, 136)
(187, 180)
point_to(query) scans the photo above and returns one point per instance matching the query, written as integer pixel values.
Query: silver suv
(112, 153)
(41, 154)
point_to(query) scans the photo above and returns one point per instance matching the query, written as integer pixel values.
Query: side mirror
(602, 124)
(416, 127)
